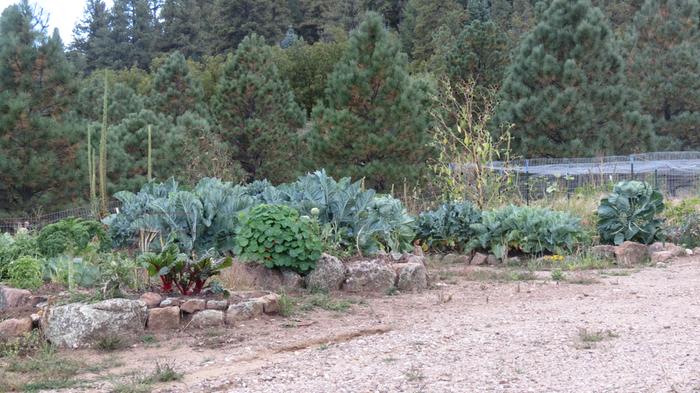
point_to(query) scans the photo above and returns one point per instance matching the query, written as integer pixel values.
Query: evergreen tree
(257, 114)
(566, 90)
(307, 67)
(664, 64)
(91, 36)
(175, 91)
(143, 33)
(480, 56)
(236, 19)
(424, 17)
(119, 41)
(185, 27)
(37, 141)
(373, 122)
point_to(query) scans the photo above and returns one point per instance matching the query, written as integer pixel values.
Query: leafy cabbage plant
(630, 213)
(449, 227)
(527, 230)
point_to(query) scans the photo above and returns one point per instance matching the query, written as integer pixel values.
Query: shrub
(449, 227)
(72, 234)
(276, 236)
(25, 272)
(629, 213)
(11, 248)
(526, 230)
(686, 232)
(176, 269)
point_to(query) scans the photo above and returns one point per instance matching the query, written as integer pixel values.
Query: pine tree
(37, 138)
(307, 67)
(664, 64)
(566, 91)
(424, 17)
(480, 55)
(175, 91)
(373, 122)
(91, 36)
(236, 19)
(257, 114)
(143, 33)
(119, 39)
(186, 27)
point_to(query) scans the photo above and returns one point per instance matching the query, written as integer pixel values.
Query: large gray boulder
(328, 275)
(412, 277)
(374, 275)
(81, 325)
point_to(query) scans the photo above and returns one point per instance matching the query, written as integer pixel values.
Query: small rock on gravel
(15, 327)
(207, 318)
(165, 318)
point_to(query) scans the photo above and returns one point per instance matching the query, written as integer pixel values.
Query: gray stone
(80, 325)
(452, 258)
(15, 327)
(14, 297)
(662, 256)
(165, 318)
(373, 275)
(412, 277)
(492, 260)
(291, 279)
(271, 303)
(631, 254)
(603, 251)
(207, 318)
(193, 305)
(244, 311)
(217, 305)
(676, 251)
(328, 275)
(418, 259)
(479, 259)
(171, 301)
(151, 299)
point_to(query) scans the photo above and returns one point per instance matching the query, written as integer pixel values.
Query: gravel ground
(510, 338)
(634, 333)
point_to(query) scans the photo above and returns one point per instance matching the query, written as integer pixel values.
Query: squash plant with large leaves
(630, 213)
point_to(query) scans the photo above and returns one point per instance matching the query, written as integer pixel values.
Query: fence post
(656, 179)
(527, 182)
(631, 167)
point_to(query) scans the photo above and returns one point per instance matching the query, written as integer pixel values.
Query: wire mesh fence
(675, 174)
(40, 220)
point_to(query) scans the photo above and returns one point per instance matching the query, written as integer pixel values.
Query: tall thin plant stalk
(150, 162)
(103, 151)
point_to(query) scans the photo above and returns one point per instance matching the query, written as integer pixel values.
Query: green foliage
(373, 122)
(72, 235)
(670, 89)
(421, 19)
(257, 114)
(449, 227)
(12, 248)
(566, 92)
(36, 131)
(351, 218)
(687, 232)
(630, 213)
(195, 220)
(25, 272)
(187, 274)
(307, 67)
(275, 235)
(526, 230)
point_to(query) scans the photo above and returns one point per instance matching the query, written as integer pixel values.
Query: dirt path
(636, 333)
